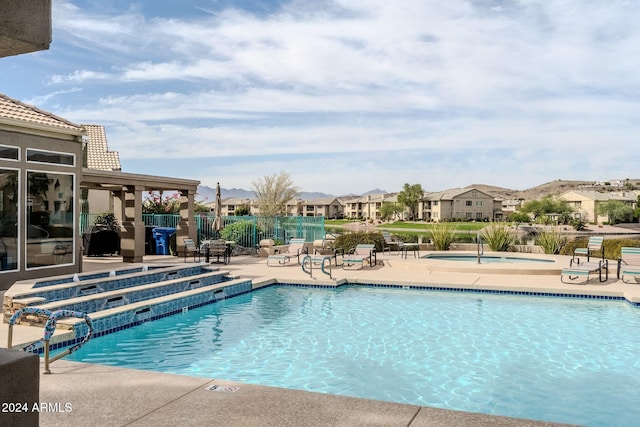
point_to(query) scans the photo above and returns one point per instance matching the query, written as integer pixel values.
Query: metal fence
(246, 231)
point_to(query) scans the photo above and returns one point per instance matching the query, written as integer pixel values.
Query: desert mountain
(554, 188)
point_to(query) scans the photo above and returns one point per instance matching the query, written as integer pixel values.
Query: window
(478, 203)
(49, 219)
(469, 203)
(478, 215)
(434, 203)
(8, 219)
(9, 153)
(52, 157)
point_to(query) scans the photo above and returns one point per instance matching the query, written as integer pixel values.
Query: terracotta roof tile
(98, 155)
(13, 109)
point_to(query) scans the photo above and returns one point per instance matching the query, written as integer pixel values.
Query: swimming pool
(563, 360)
(485, 258)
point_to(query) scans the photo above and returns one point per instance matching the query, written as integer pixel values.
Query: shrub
(519, 217)
(240, 232)
(107, 219)
(441, 235)
(499, 237)
(578, 224)
(551, 242)
(349, 241)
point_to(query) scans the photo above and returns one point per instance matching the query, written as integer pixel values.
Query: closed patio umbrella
(217, 222)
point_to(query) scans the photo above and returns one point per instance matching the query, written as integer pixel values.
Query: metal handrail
(310, 259)
(480, 247)
(49, 329)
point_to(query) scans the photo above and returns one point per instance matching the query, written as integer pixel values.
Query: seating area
(208, 248)
(629, 265)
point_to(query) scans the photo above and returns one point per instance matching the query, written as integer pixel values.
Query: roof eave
(40, 129)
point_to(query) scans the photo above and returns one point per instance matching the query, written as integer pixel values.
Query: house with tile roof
(40, 168)
(585, 203)
(328, 207)
(458, 204)
(44, 182)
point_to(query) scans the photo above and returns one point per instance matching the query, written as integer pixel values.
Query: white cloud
(539, 83)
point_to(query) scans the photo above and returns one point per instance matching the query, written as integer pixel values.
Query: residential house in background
(458, 203)
(328, 207)
(366, 207)
(586, 203)
(509, 206)
(229, 206)
(352, 207)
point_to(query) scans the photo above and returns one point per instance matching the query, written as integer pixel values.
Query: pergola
(129, 188)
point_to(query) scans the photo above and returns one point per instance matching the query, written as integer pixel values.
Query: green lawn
(459, 226)
(337, 222)
(413, 226)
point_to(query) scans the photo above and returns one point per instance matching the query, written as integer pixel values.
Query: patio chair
(390, 242)
(219, 249)
(629, 264)
(360, 254)
(295, 249)
(190, 248)
(594, 244)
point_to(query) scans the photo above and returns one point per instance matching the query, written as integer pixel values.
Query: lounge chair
(390, 242)
(594, 244)
(323, 247)
(360, 254)
(584, 271)
(629, 264)
(294, 250)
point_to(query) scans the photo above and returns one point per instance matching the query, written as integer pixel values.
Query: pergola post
(187, 226)
(133, 231)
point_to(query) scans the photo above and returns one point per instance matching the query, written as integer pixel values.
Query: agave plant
(551, 241)
(499, 238)
(441, 235)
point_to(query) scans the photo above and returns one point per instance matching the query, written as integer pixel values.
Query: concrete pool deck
(104, 395)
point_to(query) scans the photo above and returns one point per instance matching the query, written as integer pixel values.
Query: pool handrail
(480, 247)
(317, 258)
(49, 329)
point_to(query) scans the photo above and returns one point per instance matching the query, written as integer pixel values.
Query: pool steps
(120, 299)
(117, 318)
(66, 288)
(109, 299)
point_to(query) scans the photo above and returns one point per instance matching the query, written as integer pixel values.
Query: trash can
(162, 234)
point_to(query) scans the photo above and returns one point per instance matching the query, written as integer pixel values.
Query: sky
(348, 96)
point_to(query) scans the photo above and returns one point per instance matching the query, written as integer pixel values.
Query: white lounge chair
(594, 244)
(629, 264)
(295, 249)
(360, 254)
(585, 270)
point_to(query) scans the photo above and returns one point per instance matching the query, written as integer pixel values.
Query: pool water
(553, 359)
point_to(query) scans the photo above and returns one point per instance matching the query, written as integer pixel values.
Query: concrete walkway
(100, 395)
